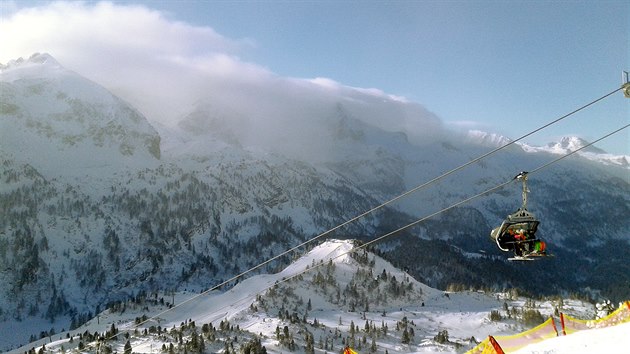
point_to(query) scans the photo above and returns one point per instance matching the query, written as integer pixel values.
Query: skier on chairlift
(517, 233)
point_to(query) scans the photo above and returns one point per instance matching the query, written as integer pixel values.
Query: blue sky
(500, 66)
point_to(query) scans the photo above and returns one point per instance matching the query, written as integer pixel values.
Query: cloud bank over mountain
(168, 69)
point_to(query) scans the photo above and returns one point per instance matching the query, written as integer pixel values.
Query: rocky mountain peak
(572, 143)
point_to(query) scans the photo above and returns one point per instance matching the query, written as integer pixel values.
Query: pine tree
(441, 337)
(310, 344)
(405, 337)
(128, 347)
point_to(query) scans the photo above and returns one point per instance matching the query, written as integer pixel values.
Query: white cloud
(335, 86)
(165, 67)
(68, 26)
(465, 125)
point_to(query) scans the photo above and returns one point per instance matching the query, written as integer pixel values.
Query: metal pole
(524, 178)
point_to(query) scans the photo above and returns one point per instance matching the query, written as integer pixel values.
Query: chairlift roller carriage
(517, 232)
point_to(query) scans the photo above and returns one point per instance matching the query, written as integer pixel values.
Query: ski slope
(614, 339)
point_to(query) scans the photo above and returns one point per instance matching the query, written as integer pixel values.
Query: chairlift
(517, 232)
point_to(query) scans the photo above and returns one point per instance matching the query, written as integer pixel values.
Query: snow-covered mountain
(566, 145)
(96, 207)
(333, 296)
(60, 122)
(488, 139)
(572, 143)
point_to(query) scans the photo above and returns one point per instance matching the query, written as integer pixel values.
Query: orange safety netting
(572, 325)
(515, 342)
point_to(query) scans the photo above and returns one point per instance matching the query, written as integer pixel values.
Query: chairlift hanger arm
(523, 177)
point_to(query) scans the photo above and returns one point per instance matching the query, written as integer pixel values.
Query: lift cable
(418, 221)
(413, 190)
(491, 189)
(389, 202)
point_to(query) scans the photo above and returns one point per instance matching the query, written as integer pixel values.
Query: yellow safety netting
(485, 347)
(515, 342)
(546, 330)
(572, 325)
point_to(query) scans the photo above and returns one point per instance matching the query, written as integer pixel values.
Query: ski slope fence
(572, 325)
(547, 330)
(501, 344)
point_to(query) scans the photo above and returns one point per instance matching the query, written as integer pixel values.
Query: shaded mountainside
(95, 210)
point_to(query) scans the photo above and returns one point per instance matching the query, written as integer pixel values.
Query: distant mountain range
(564, 146)
(99, 204)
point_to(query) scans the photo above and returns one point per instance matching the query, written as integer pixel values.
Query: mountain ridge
(59, 112)
(334, 295)
(566, 145)
(207, 207)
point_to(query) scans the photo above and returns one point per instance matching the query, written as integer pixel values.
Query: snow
(94, 171)
(37, 66)
(566, 145)
(613, 339)
(60, 113)
(488, 139)
(463, 314)
(592, 153)
(215, 306)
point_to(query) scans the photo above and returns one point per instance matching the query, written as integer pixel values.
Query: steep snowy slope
(61, 123)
